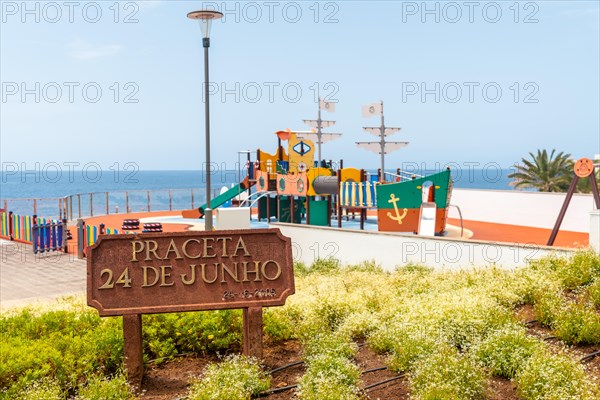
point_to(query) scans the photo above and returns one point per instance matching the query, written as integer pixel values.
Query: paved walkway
(26, 277)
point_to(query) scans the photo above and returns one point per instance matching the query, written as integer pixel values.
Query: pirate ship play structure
(291, 186)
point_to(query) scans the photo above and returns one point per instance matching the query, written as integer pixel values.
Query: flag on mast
(327, 106)
(372, 110)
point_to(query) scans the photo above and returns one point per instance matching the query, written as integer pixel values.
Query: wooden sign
(130, 275)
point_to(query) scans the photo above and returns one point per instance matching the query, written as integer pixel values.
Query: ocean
(187, 188)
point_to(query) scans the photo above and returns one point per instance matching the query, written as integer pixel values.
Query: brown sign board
(189, 271)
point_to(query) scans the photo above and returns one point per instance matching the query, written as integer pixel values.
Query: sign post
(133, 348)
(131, 275)
(253, 332)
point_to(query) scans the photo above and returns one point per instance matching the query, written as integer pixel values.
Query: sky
(471, 83)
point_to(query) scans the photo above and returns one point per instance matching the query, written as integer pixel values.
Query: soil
(367, 359)
(171, 380)
(279, 355)
(592, 366)
(501, 389)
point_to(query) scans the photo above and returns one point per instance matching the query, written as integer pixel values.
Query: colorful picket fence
(92, 232)
(4, 225)
(22, 228)
(45, 234)
(16, 227)
(48, 235)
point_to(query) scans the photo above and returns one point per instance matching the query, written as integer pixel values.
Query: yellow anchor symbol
(393, 199)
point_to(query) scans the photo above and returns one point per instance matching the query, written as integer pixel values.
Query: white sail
(325, 137)
(391, 131)
(377, 131)
(375, 147)
(393, 146)
(313, 123)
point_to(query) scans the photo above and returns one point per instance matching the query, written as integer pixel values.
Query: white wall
(595, 230)
(515, 207)
(392, 249)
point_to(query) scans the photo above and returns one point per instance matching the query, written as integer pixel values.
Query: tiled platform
(26, 277)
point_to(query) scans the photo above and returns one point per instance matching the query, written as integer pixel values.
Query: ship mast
(319, 124)
(382, 146)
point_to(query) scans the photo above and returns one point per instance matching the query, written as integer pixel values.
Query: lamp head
(205, 18)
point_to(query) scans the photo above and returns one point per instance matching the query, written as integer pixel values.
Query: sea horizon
(50, 184)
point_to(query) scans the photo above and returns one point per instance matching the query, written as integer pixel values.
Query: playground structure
(296, 186)
(291, 186)
(320, 195)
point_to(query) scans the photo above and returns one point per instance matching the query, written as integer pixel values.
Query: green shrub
(79, 345)
(325, 266)
(29, 324)
(329, 372)
(433, 325)
(464, 326)
(578, 324)
(329, 377)
(447, 375)
(547, 308)
(553, 377)
(330, 312)
(365, 266)
(235, 378)
(102, 388)
(300, 269)
(594, 293)
(43, 389)
(509, 288)
(359, 325)
(166, 335)
(276, 326)
(384, 338)
(578, 270)
(411, 268)
(584, 266)
(329, 343)
(506, 351)
(533, 281)
(406, 344)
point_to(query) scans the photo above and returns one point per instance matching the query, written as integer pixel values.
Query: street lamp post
(205, 18)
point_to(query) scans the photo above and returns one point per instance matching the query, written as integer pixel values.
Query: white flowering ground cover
(449, 334)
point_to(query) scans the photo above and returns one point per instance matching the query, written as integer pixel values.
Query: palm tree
(544, 173)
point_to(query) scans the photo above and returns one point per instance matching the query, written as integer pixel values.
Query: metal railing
(51, 207)
(109, 202)
(403, 175)
(257, 196)
(462, 225)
